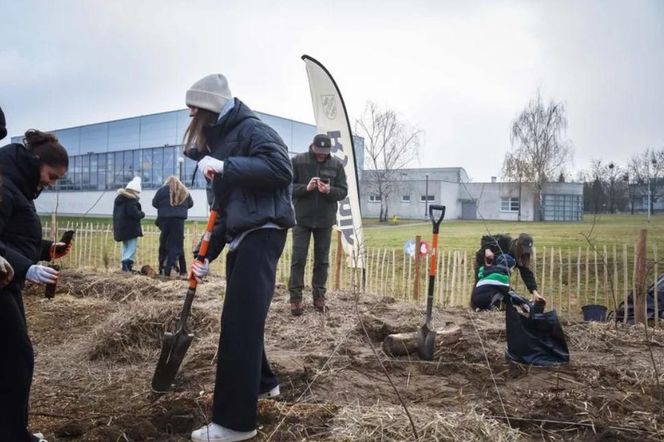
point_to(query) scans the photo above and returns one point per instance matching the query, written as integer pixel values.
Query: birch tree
(539, 152)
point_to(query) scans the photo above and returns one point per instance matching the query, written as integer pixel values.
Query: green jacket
(314, 209)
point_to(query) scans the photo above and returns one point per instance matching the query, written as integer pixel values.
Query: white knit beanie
(210, 93)
(134, 184)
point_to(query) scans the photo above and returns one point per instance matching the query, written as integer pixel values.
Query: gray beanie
(210, 93)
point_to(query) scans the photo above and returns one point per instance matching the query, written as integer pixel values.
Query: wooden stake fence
(567, 281)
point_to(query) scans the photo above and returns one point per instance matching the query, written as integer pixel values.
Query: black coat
(162, 202)
(20, 227)
(255, 187)
(127, 216)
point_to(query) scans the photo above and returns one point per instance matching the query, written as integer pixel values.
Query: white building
(449, 186)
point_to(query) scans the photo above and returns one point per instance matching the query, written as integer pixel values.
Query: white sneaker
(216, 433)
(270, 394)
(38, 437)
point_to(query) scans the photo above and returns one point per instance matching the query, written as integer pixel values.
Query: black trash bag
(650, 304)
(536, 339)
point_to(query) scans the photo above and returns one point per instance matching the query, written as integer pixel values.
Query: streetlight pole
(653, 161)
(180, 166)
(426, 195)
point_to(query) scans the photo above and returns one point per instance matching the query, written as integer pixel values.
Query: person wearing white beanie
(127, 216)
(250, 171)
(134, 184)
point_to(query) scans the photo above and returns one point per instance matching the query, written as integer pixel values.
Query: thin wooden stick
(596, 278)
(465, 275)
(552, 265)
(578, 276)
(605, 263)
(569, 281)
(626, 283)
(543, 285)
(404, 289)
(587, 276)
(560, 278)
(615, 276)
(655, 291)
(394, 264)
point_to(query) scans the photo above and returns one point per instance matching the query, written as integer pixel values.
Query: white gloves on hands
(211, 166)
(6, 272)
(200, 269)
(42, 274)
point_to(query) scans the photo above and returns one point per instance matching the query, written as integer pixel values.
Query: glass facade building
(107, 155)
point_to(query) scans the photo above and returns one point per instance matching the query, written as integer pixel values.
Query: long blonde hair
(177, 190)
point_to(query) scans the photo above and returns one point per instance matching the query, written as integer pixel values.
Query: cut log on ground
(400, 344)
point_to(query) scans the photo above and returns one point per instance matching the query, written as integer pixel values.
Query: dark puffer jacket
(127, 216)
(314, 209)
(255, 187)
(162, 202)
(20, 226)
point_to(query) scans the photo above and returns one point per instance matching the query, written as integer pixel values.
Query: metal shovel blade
(173, 349)
(426, 341)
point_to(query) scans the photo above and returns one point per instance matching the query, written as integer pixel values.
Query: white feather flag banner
(332, 119)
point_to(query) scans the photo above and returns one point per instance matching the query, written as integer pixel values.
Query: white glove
(6, 272)
(200, 269)
(42, 274)
(211, 166)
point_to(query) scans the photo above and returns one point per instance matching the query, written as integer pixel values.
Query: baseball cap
(321, 144)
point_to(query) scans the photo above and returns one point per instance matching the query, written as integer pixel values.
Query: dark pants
(488, 296)
(301, 238)
(171, 244)
(16, 368)
(242, 368)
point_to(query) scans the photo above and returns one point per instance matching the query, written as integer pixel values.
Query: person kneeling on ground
(493, 282)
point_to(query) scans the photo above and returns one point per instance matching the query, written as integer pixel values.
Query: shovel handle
(205, 243)
(436, 220)
(189, 298)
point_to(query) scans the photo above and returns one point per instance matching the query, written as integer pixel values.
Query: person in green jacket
(319, 183)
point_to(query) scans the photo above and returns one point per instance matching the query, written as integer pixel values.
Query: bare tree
(389, 144)
(539, 152)
(609, 191)
(646, 172)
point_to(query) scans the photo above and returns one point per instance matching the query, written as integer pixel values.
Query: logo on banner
(329, 106)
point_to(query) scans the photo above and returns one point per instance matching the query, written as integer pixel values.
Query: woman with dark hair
(26, 170)
(251, 180)
(172, 202)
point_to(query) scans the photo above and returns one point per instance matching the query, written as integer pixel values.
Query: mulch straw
(388, 423)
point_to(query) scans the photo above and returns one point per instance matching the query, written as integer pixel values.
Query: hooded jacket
(20, 226)
(127, 216)
(255, 186)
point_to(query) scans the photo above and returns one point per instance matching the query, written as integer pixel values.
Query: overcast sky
(460, 72)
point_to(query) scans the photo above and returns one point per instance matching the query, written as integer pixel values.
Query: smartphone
(324, 180)
(67, 236)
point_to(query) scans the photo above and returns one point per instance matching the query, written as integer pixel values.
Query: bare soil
(98, 340)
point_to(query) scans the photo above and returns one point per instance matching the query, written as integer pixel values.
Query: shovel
(426, 337)
(175, 345)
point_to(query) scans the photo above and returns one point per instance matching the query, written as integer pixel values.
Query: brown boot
(319, 304)
(296, 307)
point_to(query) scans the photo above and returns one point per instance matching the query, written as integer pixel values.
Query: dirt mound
(98, 340)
